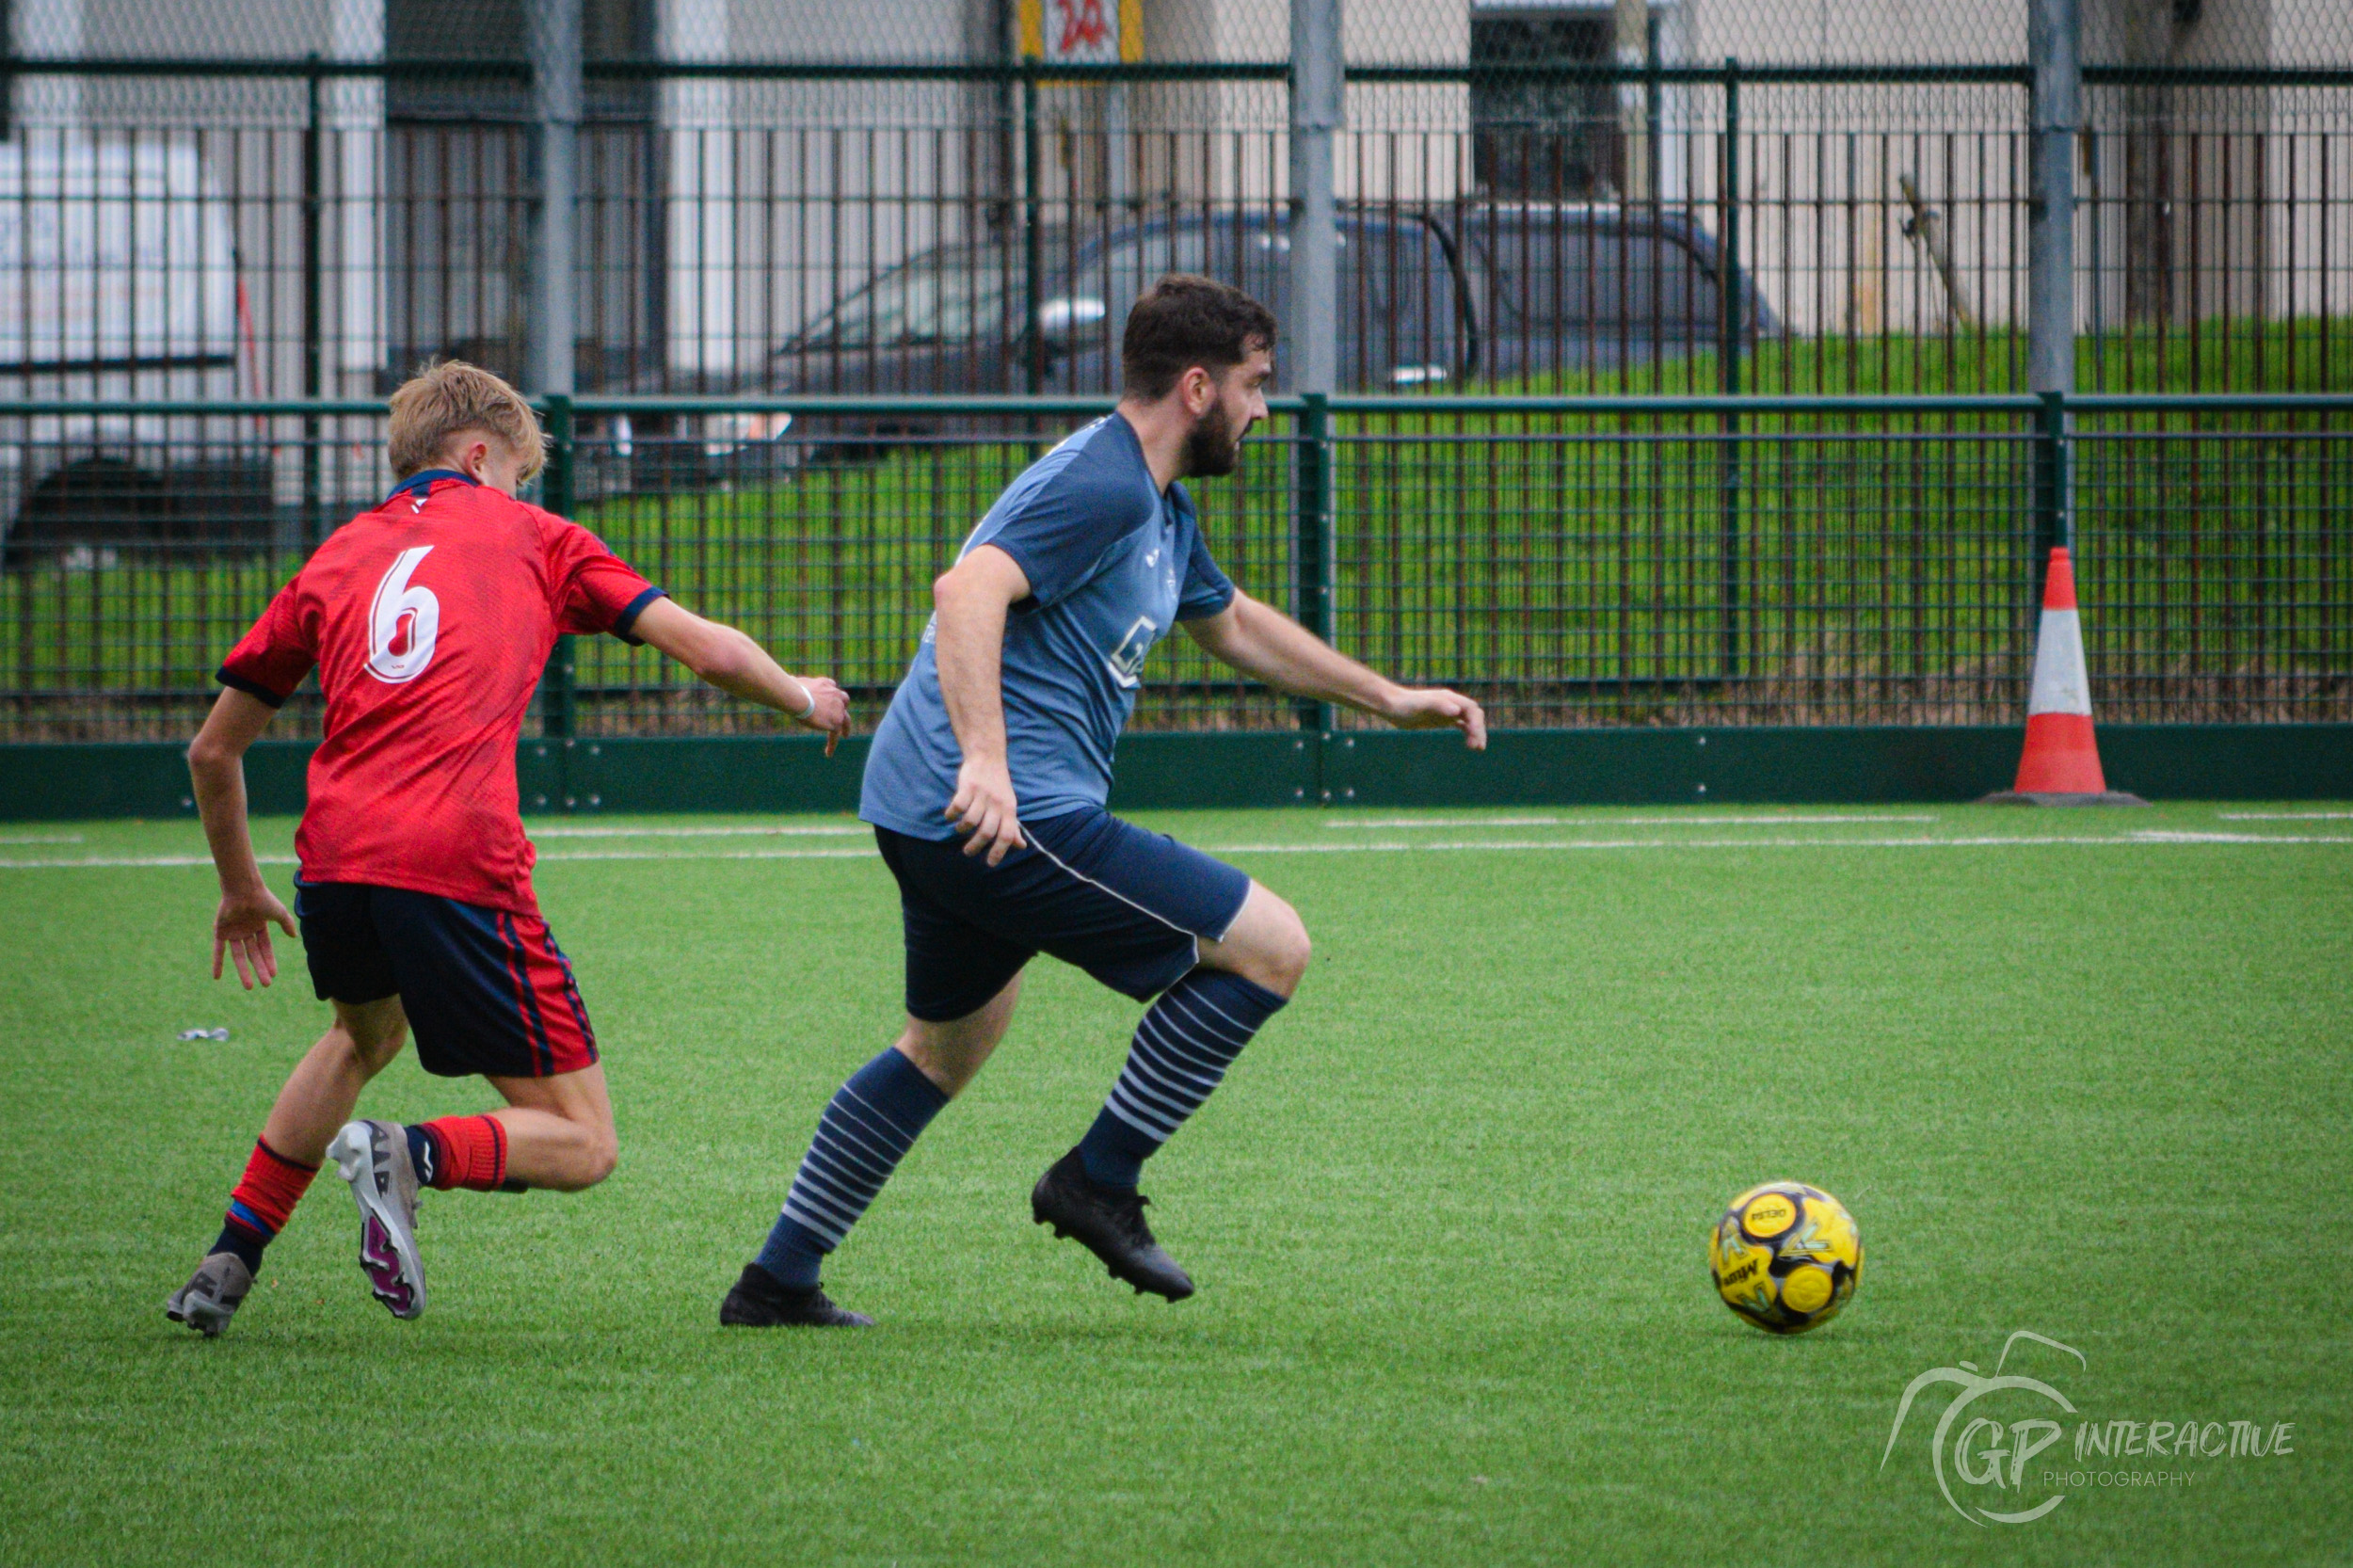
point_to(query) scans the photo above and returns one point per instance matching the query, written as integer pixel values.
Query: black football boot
(759, 1301)
(1109, 1222)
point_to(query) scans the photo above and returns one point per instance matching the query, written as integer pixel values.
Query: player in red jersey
(428, 620)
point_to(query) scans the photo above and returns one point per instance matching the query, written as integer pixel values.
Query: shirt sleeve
(271, 658)
(593, 589)
(1061, 534)
(1206, 590)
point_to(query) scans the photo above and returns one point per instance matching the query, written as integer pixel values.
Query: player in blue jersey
(986, 789)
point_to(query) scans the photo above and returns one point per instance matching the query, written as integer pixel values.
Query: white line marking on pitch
(1613, 822)
(109, 862)
(2144, 839)
(827, 832)
(40, 838)
(104, 862)
(1515, 845)
(2168, 836)
(861, 854)
(2285, 816)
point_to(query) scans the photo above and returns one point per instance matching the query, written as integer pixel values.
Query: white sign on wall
(1082, 32)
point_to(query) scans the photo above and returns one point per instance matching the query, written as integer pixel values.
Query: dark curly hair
(1186, 320)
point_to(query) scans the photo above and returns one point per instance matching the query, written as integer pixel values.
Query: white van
(118, 281)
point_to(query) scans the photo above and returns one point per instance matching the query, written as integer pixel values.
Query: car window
(1398, 319)
(1091, 311)
(943, 297)
(1545, 277)
(1138, 261)
(1250, 255)
(1398, 327)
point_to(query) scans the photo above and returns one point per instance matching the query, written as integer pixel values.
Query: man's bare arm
(972, 599)
(217, 769)
(1262, 642)
(735, 663)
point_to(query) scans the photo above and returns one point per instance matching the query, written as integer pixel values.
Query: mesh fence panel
(2217, 552)
(1643, 567)
(1672, 571)
(824, 546)
(1872, 252)
(144, 544)
(347, 190)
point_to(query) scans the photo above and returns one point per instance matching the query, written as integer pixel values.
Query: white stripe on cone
(2060, 685)
(2061, 757)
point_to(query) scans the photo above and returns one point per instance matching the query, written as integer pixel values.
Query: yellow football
(1786, 1256)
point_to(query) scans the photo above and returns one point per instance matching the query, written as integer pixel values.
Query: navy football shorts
(1129, 907)
(486, 991)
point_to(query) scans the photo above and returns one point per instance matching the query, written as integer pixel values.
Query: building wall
(783, 196)
(767, 202)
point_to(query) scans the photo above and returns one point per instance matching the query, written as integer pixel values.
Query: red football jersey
(429, 620)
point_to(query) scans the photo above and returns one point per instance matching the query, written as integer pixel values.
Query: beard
(1212, 447)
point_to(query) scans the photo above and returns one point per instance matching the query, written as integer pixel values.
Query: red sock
(468, 1151)
(263, 1200)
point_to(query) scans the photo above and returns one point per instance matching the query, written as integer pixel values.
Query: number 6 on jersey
(401, 622)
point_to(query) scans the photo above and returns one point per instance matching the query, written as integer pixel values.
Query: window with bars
(458, 187)
(1552, 139)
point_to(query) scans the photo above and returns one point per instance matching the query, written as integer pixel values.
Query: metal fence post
(1033, 237)
(1317, 94)
(2054, 508)
(1731, 332)
(1312, 563)
(557, 704)
(313, 289)
(2054, 111)
(555, 94)
(1653, 97)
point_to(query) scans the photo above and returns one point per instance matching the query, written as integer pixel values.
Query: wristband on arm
(812, 703)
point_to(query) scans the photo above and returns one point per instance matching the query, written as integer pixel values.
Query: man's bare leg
(1188, 1038)
(867, 1127)
(1266, 944)
(952, 1053)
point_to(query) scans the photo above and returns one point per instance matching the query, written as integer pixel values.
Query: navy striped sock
(867, 1129)
(1182, 1049)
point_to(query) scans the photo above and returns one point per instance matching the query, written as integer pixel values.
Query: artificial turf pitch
(1448, 1214)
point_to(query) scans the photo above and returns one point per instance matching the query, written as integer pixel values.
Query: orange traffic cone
(2061, 762)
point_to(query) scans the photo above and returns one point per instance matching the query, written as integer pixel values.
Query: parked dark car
(1426, 301)
(951, 321)
(1557, 286)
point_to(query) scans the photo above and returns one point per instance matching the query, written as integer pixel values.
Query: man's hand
(1435, 708)
(241, 929)
(984, 811)
(1261, 641)
(830, 717)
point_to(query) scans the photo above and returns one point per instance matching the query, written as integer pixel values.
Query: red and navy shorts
(486, 991)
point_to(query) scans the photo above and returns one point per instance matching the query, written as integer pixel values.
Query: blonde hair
(444, 400)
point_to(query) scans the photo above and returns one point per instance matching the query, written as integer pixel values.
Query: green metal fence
(1691, 561)
(1525, 222)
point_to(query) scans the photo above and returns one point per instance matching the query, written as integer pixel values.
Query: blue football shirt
(1112, 565)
